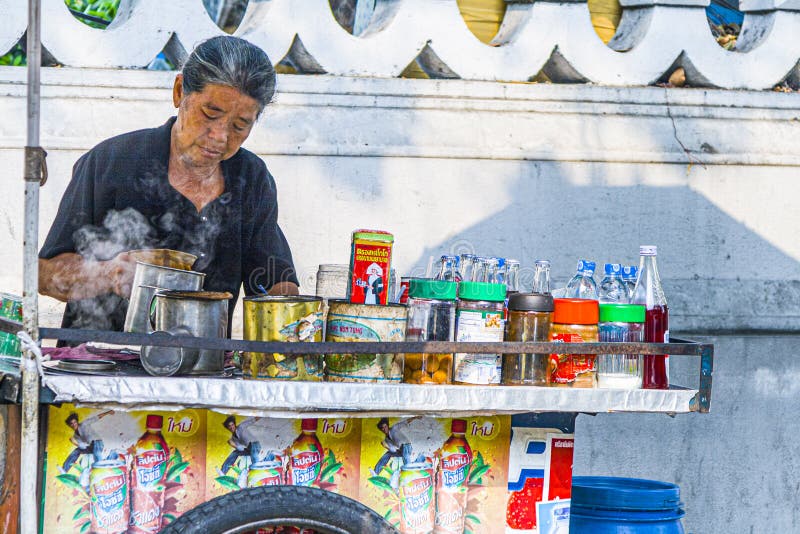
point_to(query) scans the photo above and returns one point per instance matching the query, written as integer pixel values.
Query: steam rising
(121, 230)
(175, 228)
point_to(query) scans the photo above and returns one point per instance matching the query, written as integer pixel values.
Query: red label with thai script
(370, 262)
(565, 368)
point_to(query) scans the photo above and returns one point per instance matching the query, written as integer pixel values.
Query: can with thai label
(370, 264)
(280, 318)
(360, 322)
(110, 501)
(417, 507)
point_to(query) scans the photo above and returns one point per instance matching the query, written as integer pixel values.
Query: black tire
(267, 506)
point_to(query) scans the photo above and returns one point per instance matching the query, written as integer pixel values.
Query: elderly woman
(186, 185)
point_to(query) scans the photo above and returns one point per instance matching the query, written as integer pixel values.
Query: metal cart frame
(29, 392)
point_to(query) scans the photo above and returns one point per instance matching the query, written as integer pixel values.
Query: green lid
(425, 288)
(621, 313)
(373, 235)
(482, 291)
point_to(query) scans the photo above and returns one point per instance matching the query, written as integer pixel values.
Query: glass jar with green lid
(479, 317)
(620, 323)
(431, 317)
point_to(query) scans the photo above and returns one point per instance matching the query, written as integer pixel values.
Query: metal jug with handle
(148, 279)
(194, 313)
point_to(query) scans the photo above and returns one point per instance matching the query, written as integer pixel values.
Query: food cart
(267, 506)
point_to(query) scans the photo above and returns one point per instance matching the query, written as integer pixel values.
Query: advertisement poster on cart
(539, 475)
(428, 474)
(247, 452)
(115, 472)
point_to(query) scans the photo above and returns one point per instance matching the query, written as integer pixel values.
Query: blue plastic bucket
(611, 505)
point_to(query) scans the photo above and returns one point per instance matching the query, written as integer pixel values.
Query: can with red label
(370, 262)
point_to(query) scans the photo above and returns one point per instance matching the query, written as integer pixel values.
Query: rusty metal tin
(361, 322)
(282, 318)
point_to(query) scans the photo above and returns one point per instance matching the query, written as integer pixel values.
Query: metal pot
(194, 313)
(148, 279)
(168, 361)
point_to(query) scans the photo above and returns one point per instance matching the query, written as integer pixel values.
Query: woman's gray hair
(231, 61)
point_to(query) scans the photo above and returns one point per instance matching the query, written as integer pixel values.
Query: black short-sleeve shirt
(120, 199)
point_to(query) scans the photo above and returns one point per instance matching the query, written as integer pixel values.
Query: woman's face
(212, 124)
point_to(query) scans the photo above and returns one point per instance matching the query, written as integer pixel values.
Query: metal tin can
(10, 308)
(360, 322)
(370, 263)
(280, 318)
(404, 282)
(417, 499)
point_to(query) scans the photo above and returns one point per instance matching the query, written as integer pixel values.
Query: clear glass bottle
(448, 269)
(582, 285)
(612, 288)
(512, 276)
(629, 273)
(479, 269)
(493, 275)
(466, 265)
(648, 292)
(541, 277)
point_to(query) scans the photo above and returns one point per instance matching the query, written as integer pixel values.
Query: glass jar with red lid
(574, 321)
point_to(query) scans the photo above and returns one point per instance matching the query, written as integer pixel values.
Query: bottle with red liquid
(648, 291)
(149, 473)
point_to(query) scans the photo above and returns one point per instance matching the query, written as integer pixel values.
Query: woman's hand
(119, 272)
(68, 276)
(284, 288)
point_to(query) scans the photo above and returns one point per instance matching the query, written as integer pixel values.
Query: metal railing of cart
(347, 397)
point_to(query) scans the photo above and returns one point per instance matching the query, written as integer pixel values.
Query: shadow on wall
(717, 273)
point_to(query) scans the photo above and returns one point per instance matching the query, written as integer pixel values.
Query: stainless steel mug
(148, 279)
(195, 313)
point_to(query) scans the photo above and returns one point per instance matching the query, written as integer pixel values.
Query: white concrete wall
(527, 171)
